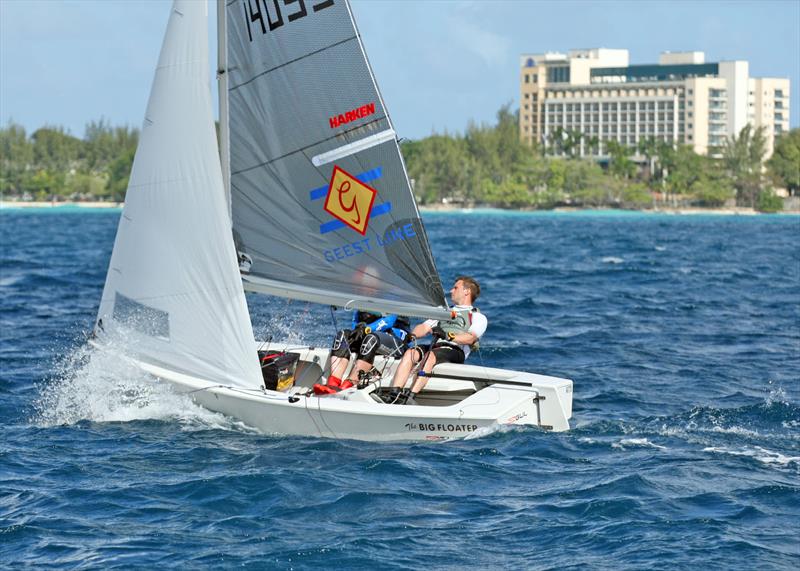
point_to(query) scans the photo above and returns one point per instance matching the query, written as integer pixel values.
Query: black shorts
(444, 353)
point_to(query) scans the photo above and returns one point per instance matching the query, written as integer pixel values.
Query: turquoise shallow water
(682, 334)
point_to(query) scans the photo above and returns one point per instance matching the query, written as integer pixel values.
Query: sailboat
(306, 197)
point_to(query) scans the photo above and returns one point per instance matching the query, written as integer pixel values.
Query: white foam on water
(660, 248)
(495, 429)
(636, 443)
(738, 430)
(776, 395)
(769, 457)
(9, 280)
(103, 386)
(612, 260)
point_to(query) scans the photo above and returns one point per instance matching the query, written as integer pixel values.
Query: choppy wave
(685, 447)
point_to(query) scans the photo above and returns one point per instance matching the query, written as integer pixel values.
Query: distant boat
(302, 123)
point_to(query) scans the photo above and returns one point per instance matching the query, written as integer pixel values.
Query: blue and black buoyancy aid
(397, 325)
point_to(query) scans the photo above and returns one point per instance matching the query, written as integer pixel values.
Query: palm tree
(743, 157)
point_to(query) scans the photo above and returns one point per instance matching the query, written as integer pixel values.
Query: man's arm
(424, 328)
(464, 338)
(476, 330)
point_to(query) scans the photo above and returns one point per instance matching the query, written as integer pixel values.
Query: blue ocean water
(682, 334)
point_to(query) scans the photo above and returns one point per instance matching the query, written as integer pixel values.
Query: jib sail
(172, 294)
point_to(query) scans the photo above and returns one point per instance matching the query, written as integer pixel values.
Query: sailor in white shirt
(453, 340)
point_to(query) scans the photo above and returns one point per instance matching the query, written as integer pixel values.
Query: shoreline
(736, 211)
(9, 204)
(437, 208)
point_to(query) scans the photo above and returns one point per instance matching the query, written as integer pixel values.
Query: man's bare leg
(404, 368)
(338, 366)
(422, 381)
(360, 365)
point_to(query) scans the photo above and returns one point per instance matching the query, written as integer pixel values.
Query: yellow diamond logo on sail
(349, 200)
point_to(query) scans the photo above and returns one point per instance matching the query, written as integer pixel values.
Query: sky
(439, 63)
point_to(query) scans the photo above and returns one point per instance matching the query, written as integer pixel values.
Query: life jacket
(397, 325)
(460, 322)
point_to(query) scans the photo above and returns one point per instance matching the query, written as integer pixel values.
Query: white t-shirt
(477, 327)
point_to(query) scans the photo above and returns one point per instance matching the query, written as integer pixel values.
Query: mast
(222, 86)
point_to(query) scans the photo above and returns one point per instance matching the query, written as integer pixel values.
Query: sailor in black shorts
(444, 351)
(453, 341)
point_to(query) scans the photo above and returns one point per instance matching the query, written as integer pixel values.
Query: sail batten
(321, 201)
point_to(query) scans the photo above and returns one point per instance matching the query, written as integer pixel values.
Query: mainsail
(173, 287)
(321, 203)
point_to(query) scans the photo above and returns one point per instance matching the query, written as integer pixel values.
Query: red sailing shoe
(324, 390)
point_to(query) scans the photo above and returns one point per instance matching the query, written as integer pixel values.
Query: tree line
(489, 164)
(52, 164)
(486, 165)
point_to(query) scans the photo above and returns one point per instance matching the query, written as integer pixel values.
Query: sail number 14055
(267, 14)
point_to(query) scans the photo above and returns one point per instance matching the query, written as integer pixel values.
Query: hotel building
(682, 100)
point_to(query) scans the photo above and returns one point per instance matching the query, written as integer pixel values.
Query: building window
(527, 78)
(779, 93)
(558, 74)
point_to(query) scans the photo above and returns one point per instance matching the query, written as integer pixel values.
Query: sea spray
(103, 385)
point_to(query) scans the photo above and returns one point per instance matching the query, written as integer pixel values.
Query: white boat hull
(533, 400)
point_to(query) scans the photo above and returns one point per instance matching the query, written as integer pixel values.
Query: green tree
(712, 187)
(649, 147)
(636, 195)
(685, 168)
(768, 201)
(743, 156)
(103, 144)
(619, 162)
(565, 142)
(56, 150)
(119, 171)
(784, 164)
(16, 157)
